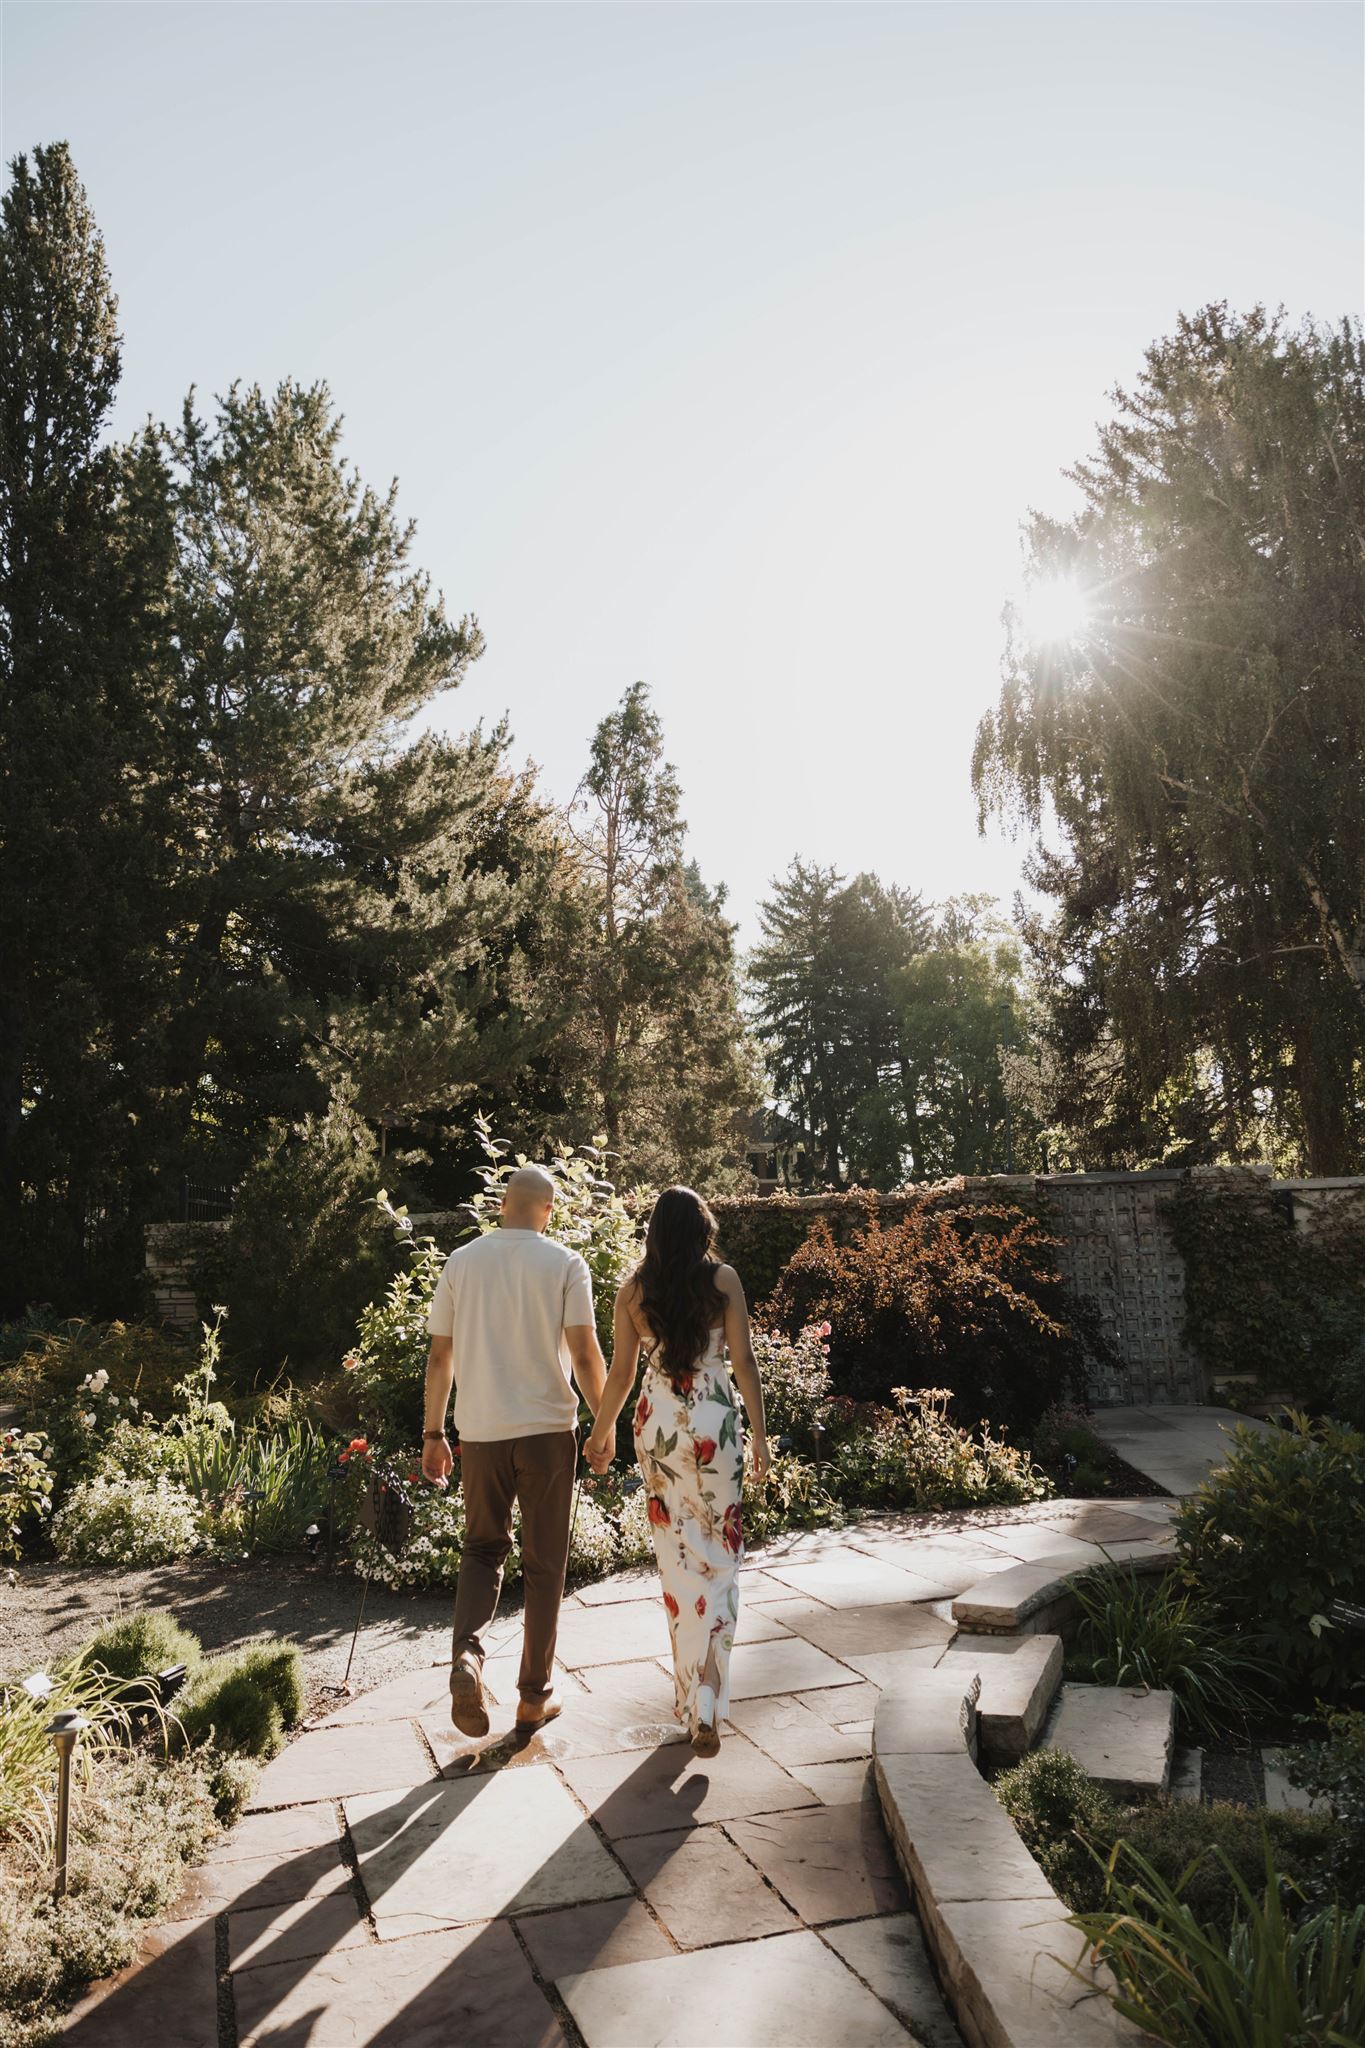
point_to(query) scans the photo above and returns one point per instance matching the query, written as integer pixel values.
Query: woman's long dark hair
(679, 1298)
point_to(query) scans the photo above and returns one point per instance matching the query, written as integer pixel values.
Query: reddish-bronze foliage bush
(966, 1297)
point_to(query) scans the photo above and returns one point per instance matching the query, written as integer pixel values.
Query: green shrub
(1269, 1983)
(258, 1488)
(1203, 1848)
(140, 1645)
(966, 1297)
(229, 1781)
(1064, 1822)
(1334, 1770)
(1273, 1537)
(77, 1381)
(243, 1700)
(1142, 1629)
(25, 1486)
(134, 1828)
(912, 1456)
(793, 1496)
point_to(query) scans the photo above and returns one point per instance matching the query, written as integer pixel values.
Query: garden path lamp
(253, 1496)
(65, 1730)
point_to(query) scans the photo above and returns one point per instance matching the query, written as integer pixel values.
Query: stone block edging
(1010, 1966)
(1037, 1597)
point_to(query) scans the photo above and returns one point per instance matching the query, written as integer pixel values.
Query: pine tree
(86, 702)
(1201, 743)
(654, 1056)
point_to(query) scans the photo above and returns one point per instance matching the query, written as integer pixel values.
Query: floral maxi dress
(691, 1450)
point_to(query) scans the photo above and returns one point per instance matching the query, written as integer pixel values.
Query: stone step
(1019, 1675)
(1187, 1774)
(1038, 1595)
(1123, 1737)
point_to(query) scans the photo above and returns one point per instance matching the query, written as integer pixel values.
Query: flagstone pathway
(597, 1884)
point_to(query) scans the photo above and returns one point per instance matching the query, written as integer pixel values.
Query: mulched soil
(49, 1609)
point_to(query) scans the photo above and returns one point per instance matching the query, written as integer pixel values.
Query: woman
(685, 1310)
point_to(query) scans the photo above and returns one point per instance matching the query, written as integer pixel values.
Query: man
(510, 1320)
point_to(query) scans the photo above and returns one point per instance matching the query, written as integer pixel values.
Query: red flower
(456, 1451)
(671, 1604)
(732, 1530)
(706, 1449)
(684, 1383)
(358, 1446)
(701, 1603)
(643, 1411)
(657, 1512)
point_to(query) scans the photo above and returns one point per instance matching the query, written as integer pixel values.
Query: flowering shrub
(793, 1496)
(90, 1370)
(794, 1375)
(966, 1297)
(594, 1549)
(25, 1484)
(387, 1368)
(912, 1456)
(117, 1519)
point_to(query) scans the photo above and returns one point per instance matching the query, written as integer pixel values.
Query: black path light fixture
(65, 1729)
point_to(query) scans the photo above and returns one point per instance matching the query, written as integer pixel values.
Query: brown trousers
(538, 1472)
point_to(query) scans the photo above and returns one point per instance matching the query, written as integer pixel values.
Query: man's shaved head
(528, 1197)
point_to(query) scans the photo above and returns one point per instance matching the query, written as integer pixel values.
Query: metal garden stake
(65, 1729)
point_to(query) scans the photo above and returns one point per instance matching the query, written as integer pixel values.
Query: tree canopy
(1199, 741)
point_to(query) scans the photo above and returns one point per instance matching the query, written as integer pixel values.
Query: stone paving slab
(762, 1624)
(469, 1985)
(589, 1726)
(961, 1844)
(1019, 1676)
(1010, 1969)
(943, 1572)
(789, 1992)
(855, 1580)
(1121, 1736)
(843, 1705)
(646, 1681)
(838, 1784)
(1033, 1540)
(286, 1833)
(289, 1934)
(654, 1790)
(890, 1957)
(883, 1668)
(480, 1849)
(788, 1732)
(333, 1761)
(276, 1880)
(399, 1699)
(828, 1863)
(167, 1995)
(783, 1667)
(902, 1626)
(1098, 1522)
(613, 1635)
(703, 1890)
(595, 1937)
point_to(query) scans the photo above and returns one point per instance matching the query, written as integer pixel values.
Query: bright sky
(720, 345)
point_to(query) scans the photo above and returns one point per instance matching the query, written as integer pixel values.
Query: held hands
(759, 1461)
(600, 1450)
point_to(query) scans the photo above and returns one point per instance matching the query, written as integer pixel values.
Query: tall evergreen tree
(654, 1051)
(86, 716)
(1200, 741)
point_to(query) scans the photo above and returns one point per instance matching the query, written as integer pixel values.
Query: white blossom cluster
(116, 1518)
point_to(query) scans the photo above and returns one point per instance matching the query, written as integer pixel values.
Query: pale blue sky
(724, 346)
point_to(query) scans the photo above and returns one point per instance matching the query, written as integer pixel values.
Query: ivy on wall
(1267, 1299)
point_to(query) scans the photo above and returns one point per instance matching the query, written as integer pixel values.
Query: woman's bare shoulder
(729, 1282)
(628, 1293)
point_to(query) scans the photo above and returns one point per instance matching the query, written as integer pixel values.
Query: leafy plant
(966, 1297)
(25, 1485)
(1062, 1819)
(135, 1826)
(140, 1645)
(1141, 1629)
(242, 1700)
(1334, 1770)
(1273, 1537)
(261, 1488)
(78, 1381)
(912, 1456)
(793, 1496)
(1270, 1982)
(26, 1757)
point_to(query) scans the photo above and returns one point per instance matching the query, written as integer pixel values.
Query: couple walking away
(511, 1329)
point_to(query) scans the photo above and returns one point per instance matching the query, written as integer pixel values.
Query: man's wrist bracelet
(439, 1433)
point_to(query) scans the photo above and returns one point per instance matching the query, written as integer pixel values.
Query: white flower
(132, 1402)
(99, 1381)
(113, 1400)
(88, 1419)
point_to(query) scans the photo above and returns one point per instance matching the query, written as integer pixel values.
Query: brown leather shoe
(468, 1701)
(534, 1713)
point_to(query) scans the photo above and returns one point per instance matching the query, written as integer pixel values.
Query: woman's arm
(625, 1357)
(745, 1366)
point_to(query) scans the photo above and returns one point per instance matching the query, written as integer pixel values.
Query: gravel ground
(47, 1609)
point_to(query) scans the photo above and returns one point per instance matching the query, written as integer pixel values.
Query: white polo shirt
(505, 1301)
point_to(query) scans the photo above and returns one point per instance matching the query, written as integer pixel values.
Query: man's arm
(589, 1366)
(437, 1457)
